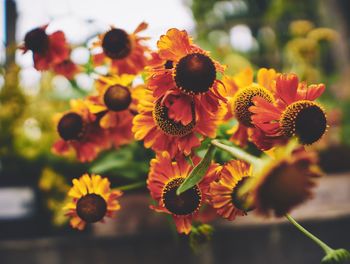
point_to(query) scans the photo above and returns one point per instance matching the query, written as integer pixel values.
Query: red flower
(163, 130)
(165, 177)
(79, 130)
(66, 68)
(182, 67)
(294, 113)
(125, 52)
(48, 50)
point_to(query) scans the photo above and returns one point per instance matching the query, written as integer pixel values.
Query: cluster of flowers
(182, 103)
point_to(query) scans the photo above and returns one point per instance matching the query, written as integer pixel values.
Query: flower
(165, 177)
(300, 27)
(283, 182)
(66, 68)
(224, 192)
(48, 50)
(92, 200)
(182, 67)
(240, 92)
(157, 125)
(125, 52)
(294, 113)
(231, 85)
(116, 105)
(78, 129)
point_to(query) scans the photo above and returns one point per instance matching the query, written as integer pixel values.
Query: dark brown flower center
(71, 126)
(306, 120)
(195, 73)
(168, 64)
(117, 98)
(91, 208)
(185, 203)
(169, 126)
(37, 40)
(116, 44)
(240, 202)
(244, 99)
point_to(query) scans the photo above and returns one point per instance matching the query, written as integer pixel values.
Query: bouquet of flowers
(184, 98)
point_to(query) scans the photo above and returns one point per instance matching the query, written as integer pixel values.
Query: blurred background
(310, 38)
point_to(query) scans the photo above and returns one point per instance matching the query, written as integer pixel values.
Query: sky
(82, 18)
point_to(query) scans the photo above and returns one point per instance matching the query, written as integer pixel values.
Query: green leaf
(198, 172)
(129, 162)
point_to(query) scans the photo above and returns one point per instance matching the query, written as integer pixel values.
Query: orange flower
(283, 182)
(240, 90)
(48, 50)
(165, 177)
(92, 200)
(66, 68)
(181, 66)
(115, 104)
(79, 130)
(125, 52)
(224, 192)
(231, 85)
(158, 126)
(293, 113)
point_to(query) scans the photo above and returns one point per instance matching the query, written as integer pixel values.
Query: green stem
(318, 241)
(75, 86)
(237, 152)
(132, 186)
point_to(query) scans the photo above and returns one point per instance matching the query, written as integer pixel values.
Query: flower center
(305, 119)
(169, 126)
(71, 126)
(240, 202)
(195, 73)
(244, 99)
(91, 208)
(183, 204)
(168, 64)
(117, 98)
(37, 40)
(116, 44)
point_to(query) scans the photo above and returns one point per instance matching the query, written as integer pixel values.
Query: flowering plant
(180, 108)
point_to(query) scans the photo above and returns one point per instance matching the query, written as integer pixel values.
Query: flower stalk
(319, 242)
(332, 255)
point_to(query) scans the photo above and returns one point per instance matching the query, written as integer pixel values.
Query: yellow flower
(300, 27)
(224, 192)
(92, 200)
(240, 92)
(115, 106)
(326, 34)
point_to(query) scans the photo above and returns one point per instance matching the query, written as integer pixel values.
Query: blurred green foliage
(288, 35)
